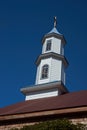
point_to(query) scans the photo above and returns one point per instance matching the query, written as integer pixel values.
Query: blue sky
(22, 26)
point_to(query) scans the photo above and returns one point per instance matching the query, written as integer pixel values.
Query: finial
(55, 21)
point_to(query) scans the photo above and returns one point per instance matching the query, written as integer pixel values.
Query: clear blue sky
(22, 26)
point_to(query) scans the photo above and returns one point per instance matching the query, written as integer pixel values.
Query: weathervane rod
(55, 21)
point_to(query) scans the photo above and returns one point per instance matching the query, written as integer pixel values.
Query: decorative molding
(53, 55)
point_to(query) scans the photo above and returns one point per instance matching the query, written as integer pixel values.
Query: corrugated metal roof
(69, 100)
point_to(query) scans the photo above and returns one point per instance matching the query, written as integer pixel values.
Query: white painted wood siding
(45, 44)
(39, 70)
(37, 74)
(54, 73)
(42, 94)
(55, 46)
(62, 49)
(63, 74)
(55, 70)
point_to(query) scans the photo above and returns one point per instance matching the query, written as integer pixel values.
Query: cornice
(40, 87)
(53, 55)
(54, 35)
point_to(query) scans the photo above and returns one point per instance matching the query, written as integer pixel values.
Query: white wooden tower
(51, 65)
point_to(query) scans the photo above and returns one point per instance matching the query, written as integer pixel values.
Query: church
(48, 98)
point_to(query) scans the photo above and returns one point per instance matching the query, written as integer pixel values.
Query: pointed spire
(54, 30)
(55, 22)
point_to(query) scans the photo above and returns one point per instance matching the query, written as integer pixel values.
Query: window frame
(48, 45)
(44, 71)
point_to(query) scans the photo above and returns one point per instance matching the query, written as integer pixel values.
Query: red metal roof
(69, 100)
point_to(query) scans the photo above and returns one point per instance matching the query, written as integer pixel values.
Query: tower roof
(54, 30)
(54, 33)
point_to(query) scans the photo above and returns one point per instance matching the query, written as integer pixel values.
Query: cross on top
(55, 21)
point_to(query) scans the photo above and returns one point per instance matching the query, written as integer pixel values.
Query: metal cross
(55, 21)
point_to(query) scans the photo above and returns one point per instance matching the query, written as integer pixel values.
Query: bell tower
(51, 65)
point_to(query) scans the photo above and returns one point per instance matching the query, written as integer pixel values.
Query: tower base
(44, 90)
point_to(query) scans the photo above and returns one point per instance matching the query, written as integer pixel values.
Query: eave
(53, 55)
(48, 113)
(40, 87)
(56, 36)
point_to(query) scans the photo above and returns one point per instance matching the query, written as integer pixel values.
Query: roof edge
(54, 35)
(46, 86)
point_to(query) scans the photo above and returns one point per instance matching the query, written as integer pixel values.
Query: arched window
(44, 73)
(48, 46)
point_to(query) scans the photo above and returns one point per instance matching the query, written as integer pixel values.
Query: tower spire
(51, 65)
(55, 22)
